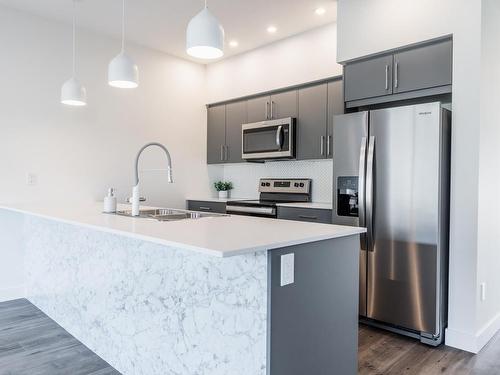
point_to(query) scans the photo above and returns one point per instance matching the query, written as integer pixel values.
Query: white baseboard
(13, 292)
(473, 343)
(486, 333)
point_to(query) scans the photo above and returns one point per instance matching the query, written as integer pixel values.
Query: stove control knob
(301, 184)
(268, 184)
(262, 184)
(296, 184)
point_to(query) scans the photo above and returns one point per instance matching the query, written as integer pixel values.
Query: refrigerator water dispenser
(347, 196)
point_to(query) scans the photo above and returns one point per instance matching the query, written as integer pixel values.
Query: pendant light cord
(74, 37)
(123, 25)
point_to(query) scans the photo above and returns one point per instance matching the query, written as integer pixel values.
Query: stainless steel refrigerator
(391, 175)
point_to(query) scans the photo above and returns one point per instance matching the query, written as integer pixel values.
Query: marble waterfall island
(204, 296)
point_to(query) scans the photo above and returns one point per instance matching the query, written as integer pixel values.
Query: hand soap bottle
(110, 201)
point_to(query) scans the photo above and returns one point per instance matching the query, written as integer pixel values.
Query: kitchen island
(200, 296)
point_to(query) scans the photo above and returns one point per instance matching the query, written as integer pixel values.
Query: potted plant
(223, 188)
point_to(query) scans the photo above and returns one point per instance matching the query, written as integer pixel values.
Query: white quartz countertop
(218, 236)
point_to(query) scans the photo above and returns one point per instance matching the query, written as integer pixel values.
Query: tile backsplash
(245, 176)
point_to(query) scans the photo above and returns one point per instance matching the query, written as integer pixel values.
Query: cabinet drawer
(312, 215)
(207, 206)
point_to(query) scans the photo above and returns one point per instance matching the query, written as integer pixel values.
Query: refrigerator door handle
(369, 192)
(361, 190)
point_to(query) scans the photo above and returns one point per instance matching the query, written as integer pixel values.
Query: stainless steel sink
(168, 214)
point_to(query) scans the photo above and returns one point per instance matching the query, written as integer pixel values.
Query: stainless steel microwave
(271, 139)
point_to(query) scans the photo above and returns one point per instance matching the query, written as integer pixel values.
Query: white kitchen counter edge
(217, 253)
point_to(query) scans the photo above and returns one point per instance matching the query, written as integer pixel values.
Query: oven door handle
(279, 137)
(269, 211)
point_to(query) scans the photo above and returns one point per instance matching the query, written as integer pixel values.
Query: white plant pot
(223, 194)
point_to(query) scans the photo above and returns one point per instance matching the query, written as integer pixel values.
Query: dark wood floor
(385, 353)
(33, 344)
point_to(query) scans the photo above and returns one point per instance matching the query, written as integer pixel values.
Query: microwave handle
(279, 138)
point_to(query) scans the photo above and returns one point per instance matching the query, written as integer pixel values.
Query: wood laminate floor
(33, 344)
(385, 353)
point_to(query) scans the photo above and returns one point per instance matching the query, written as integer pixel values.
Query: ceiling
(161, 24)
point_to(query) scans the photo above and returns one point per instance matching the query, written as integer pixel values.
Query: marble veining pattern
(149, 309)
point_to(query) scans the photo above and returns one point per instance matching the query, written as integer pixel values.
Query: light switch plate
(31, 179)
(287, 269)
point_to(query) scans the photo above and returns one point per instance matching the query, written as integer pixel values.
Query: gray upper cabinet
(368, 78)
(236, 115)
(410, 72)
(284, 104)
(312, 122)
(313, 105)
(216, 134)
(258, 109)
(280, 105)
(423, 67)
(335, 107)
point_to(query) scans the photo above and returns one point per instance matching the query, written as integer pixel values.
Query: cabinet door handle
(221, 152)
(272, 109)
(266, 111)
(322, 145)
(387, 77)
(328, 147)
(308, 217)
(205, 208)
(396, 74)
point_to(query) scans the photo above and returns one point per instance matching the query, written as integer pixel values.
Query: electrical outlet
(483, 291)
(287, 269)
(31, 179)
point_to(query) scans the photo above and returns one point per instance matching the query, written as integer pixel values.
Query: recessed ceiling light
(320, 11)
(272, 29)
(233, 43)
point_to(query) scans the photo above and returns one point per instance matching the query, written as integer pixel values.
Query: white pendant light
(205, 36)
(72, 91)
(122, 71)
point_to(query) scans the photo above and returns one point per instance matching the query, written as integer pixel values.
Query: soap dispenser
(110, 201)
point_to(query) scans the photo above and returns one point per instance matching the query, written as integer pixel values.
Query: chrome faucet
(135, 190)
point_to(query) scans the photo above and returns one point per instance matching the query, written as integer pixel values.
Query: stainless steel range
(272, 191)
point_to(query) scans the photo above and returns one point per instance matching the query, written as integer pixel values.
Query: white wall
(299, 59)
(78, 152)
(488, 319)
(366, 27)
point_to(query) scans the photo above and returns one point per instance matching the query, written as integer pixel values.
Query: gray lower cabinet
(236, 115)
(312, 215)
(206, 206)
(368, 78)
(312, 122)
(313, 324)
(423, 67)
(216, 134)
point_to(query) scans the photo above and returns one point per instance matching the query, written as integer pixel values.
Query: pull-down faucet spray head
(135, 191)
